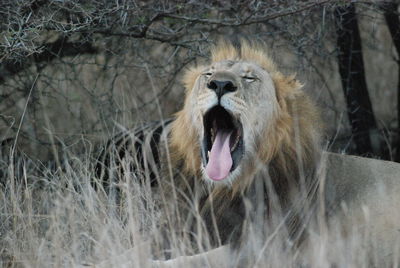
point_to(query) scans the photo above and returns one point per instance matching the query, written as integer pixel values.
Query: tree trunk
(393, 23)
(351, 68)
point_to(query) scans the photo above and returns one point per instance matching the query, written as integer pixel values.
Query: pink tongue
(220, 160)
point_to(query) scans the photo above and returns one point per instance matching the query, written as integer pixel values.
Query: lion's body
(273, 165)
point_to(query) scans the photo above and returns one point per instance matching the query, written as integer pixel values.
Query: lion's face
(231, 106)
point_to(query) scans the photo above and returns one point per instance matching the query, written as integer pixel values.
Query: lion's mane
(289, 148)
(291, 142)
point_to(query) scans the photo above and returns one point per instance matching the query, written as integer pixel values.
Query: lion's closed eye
(249, 79)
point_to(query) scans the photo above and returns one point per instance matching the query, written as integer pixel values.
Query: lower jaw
(228, 178)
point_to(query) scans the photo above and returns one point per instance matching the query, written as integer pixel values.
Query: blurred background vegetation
(74, 72)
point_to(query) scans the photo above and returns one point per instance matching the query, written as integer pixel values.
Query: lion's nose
(221, 87)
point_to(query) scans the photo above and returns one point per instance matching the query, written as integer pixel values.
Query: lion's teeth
(235, 143)
(208, 154)
(212, 135)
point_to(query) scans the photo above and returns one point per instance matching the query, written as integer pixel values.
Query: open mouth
(223, 147)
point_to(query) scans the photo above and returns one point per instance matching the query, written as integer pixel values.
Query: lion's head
(240, 112)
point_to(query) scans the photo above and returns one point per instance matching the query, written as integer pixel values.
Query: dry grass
(54, 218)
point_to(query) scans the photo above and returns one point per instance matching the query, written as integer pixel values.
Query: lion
(247, 137)
(244, 155)
(243, 121)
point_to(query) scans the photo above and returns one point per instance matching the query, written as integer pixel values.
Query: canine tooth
(235, 143)
(208, 154)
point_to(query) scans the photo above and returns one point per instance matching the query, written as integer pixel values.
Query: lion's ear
(190, 76)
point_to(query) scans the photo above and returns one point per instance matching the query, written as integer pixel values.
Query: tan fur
(296, 120)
